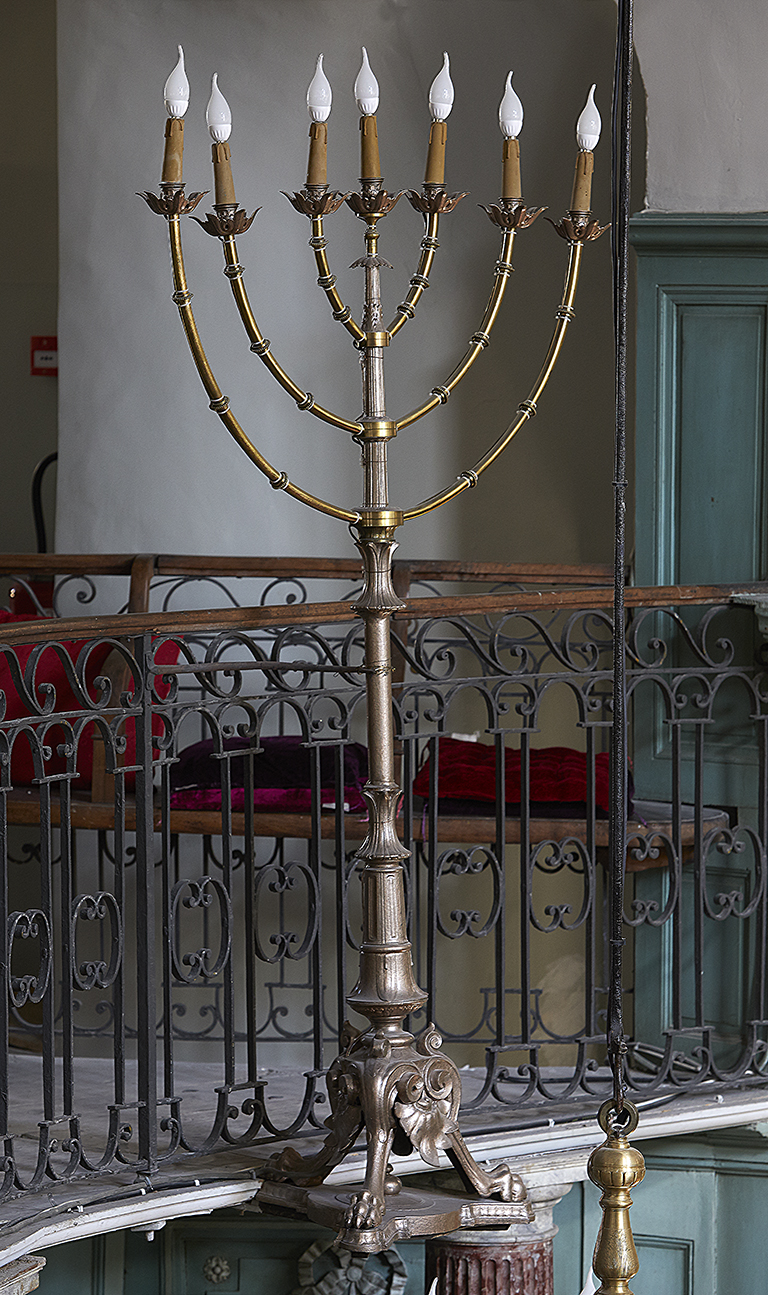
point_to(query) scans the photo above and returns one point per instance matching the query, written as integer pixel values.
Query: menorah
(396, 1086)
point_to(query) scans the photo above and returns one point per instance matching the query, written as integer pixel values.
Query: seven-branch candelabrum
(398, 1087)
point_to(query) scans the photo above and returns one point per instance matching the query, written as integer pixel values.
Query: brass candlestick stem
(399, 1088)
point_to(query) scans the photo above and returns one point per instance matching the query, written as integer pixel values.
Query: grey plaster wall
(704, 67)
(144, 464)
(28, 258)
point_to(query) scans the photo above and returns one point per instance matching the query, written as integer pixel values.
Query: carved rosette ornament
(216, 1270)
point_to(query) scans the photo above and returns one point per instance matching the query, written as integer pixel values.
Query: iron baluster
(146, 1025)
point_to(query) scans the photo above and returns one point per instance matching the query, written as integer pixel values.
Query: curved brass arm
(420, 280)
(478, 341)
(327, 281)
(527, 409)
(260, 344)
(220, 403)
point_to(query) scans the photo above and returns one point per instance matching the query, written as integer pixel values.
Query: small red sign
(44, 356)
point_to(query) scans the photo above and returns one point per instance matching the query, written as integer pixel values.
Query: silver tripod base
(408, 1214)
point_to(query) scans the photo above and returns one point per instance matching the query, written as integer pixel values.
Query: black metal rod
(621, 159)
(37, 500)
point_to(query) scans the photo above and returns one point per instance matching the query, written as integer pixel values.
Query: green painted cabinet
(698, 1218)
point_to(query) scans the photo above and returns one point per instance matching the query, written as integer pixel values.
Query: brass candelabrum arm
(327, 281)
(260, 345)
(528, 408)
(420, 280)
(220, 403)
(478, 341)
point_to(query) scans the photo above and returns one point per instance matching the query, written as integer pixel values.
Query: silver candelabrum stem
(397, 1086)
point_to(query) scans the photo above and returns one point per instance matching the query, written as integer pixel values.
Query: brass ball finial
(616, 1167)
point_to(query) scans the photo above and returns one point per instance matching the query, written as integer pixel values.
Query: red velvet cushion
(281, 775)
(558, 774)
(51, 670)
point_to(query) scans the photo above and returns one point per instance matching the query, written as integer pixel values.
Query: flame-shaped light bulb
(441, 92)
(218, 114)
(176, 90)
(510, 112)
(366, 88)
(319, 94)
(589, 124)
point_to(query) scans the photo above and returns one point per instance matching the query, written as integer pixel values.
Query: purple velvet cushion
(281, 775)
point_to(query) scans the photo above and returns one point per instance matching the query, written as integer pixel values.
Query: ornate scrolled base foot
(406, 1094)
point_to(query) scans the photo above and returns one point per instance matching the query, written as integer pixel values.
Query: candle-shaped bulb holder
(176, 90)
(319, 100)
(587, 135)
(589, 125)
(366, 88)
(510, 124)
(218, 116)
(319, 94)
(176, 96)
(441, 96)
(441, 92)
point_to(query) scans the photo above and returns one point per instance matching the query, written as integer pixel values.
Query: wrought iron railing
(177, 957)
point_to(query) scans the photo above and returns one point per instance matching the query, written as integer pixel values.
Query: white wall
(705, 68)
(144, 464)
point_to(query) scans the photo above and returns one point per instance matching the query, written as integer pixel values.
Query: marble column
(510, 1261)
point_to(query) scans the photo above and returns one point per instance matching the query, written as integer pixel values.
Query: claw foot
(506, 1185)
(365, 1211)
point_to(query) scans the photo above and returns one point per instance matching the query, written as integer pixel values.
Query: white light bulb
(441, 92)
(176, 90)
(589, 124)
(319, 94)
(510, 112)
(218, 114)
(366, 88)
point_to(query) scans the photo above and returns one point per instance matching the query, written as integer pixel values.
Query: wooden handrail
(164, 564)
(129, 625)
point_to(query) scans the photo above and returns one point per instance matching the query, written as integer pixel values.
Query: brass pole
(616, 1168)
